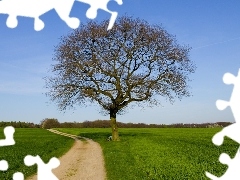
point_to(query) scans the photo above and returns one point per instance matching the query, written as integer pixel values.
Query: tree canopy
(133, 62)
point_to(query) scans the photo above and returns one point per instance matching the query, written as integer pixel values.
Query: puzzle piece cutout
(36, 8)
(18, 176)
(101, 4)
(232, 172)
(3, 165)
(8, 132)
(234, 101)
(44, 170)
(8, 141)
(231, 131)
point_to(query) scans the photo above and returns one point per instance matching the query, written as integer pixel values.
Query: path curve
(84, 161)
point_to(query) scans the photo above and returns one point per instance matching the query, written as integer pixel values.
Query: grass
(31, 142)
(164, 153)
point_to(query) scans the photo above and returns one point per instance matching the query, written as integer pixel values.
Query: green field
(34, 142)
(164, 153)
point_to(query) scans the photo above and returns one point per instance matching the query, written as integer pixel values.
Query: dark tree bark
(132, 62)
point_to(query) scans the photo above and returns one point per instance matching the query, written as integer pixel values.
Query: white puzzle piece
(100, 4)
(233, 172)
(44, 171)
(8, 141)
(18, 176)
(35, 8)
(231, 131)
(8, 132)
(3, 165)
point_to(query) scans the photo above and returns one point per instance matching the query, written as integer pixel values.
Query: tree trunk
(115, 136)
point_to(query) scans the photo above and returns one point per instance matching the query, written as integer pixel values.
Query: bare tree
(132, 62)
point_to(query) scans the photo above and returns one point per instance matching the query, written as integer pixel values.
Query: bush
(50, 123)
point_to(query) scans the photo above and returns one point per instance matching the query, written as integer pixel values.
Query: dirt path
(84, 161)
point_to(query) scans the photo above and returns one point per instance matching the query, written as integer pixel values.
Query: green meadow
(31, 141)
(142, 153)
(161, 153)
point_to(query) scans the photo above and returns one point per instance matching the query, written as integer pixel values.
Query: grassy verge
(171, 154)
(31, 142)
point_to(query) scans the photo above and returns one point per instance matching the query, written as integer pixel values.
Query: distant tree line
(19, 124)
(53, 123)
(48, 123)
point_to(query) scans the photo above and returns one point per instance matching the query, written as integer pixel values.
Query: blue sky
(211, 28)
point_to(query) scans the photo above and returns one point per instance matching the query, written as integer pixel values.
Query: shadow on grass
(102, 136)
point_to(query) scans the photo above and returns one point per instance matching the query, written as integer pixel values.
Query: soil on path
(84, 161)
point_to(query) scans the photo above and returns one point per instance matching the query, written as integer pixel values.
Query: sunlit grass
(33, 142)
(184, 153)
